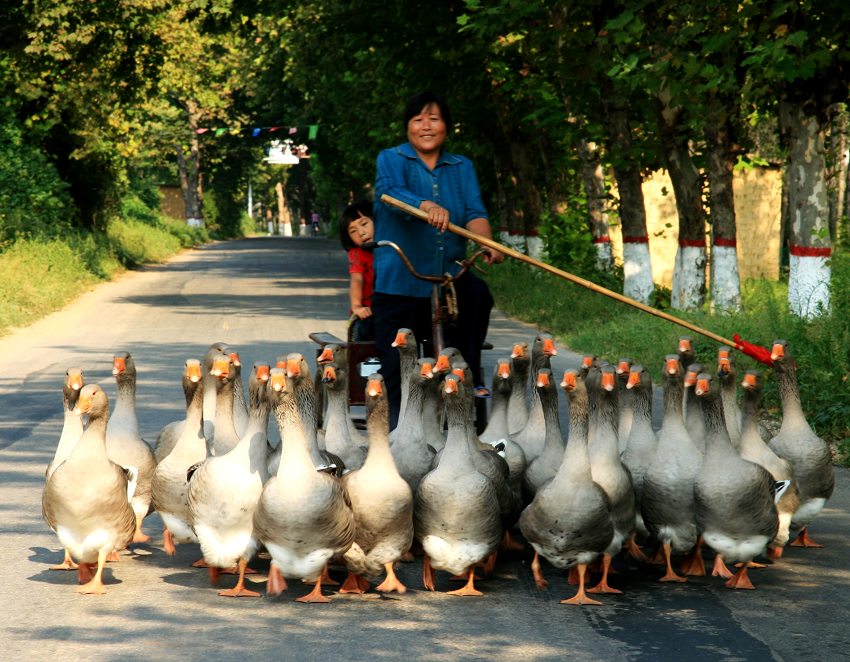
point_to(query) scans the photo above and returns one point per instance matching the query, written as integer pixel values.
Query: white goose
(224, 491)
(124, 443)
(85, 499)
(303, 516)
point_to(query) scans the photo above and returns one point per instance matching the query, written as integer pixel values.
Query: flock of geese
(327, 493)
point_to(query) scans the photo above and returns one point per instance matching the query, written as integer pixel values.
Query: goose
(72, 430)
(124, 444)
(624, 366)
(170, 484)
(532, 437)
(72, 425)
(413, 451)
(497, 427)
(168, 435)
(456, 509)
(85, 499)
(518, 401)
(489, 462)
(240, 409)
(543, 468)
(729, 394)
(667, 501)
(569, 522)
(408, 352)
(642, 440)
(224, 491)
(298, 370)
(226, 435)
(209, 387)
(734, 498)
(303, 516)
(687, 355)
(332, 352)
(382, 503)
(796, 442)
(607, 470)
(338, 439)
(694, 420)
(754, 449)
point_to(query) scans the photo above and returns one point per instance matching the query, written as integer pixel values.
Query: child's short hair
(351, 213)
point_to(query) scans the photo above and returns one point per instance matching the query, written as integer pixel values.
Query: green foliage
(34, 201)
(135, 242)
(37, 277)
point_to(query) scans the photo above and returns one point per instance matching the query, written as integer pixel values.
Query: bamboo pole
(522, 257)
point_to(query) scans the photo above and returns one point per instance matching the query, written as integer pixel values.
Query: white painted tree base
(808, 286)
(535, 248)
(637, 272)
(725, 279)
(688, 278)
(515, 241)
(604, 259)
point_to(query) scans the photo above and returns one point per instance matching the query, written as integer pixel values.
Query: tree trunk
(808, 211)
(284, 219)
(689, 271)
(637, 267)
(720, 156)
(189, 170)
(593, 179)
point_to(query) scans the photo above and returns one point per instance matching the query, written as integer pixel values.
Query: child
(355, 229)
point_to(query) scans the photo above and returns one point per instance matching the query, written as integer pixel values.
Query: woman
(421, 173)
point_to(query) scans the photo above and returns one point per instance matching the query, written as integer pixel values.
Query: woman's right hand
(437, 216)
(362, 312)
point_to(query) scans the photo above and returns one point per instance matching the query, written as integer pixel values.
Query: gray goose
(224, 491)
(332, 352)
(497, 426)
(338, 438)
(124, 444)
(667, 500)
(607, 470)
(624, 367)
(72, 430)
(729, 394)
(303, 516)
(381, 501)
(297, 369)
(170, 484)
(642, 440)
(240, 408)
(734, 498)
(85, 499)
(755, 450)
(543, 468)
(532, 437)
(569, 521)
(694, 420)
(796, 442)
(408, 352)
(518, 401)
(209, 387)
(226, 436)
(413, 449)
(456, 508)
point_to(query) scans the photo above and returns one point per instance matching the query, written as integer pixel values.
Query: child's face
(361, 230)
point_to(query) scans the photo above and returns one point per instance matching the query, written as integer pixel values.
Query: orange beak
(442, 363)
(749, 381)
(723, 365)
(277, 379)
(451, 386)
(504, 370)
(193, 370)
(702, 387)
(671, 366)
(690, 378)
(426, 370)
(374, 387)
(568, 383)
(75, 379)
(684, 345)
(326, 355)
(263, 373)
(457, 372)
(609, 381)
(777, 351)
(634, 379)
(234, 356)
(293, 368)
(542, 379)
(119, 365)
(586, 361)
(221, 367)
(329, 374)
(400, 340)
(518, 351)
(623, 367)
(549, 347)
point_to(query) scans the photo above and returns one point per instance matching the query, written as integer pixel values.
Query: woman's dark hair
(419, 101)
(351, 213)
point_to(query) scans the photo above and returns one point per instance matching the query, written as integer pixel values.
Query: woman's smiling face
(361, 230)
(427, 130)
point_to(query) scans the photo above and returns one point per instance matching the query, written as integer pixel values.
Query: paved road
(264, 296)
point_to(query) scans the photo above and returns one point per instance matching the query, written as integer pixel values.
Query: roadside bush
(38, 277)
(135, 243)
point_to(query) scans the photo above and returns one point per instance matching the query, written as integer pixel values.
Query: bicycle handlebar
(442, 280)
